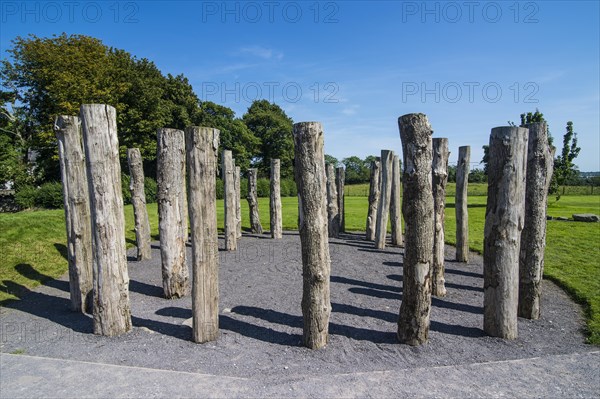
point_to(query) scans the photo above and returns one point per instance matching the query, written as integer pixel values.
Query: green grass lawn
(33, 243)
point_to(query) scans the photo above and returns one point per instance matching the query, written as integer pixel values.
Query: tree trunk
(76, 201)
(540, 162)
(202, 144)
(333, 216)
(440, 179)
(340, 178)
(383, 208)
(395, 204)
(138, 199)
(417, 207)
(374, 192)
(502, 234)
(460, 206)
(172, 211)
(112, 314)
(311, 182)
(229, 201)
(238, 203)
(255, 226)
(275, 200)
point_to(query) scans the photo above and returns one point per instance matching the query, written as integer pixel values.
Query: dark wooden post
(252, 198)
(374, 192)
(138, 199)
(229, 201)
(340, 179)
(333, 216)
(395, 204)
(275, 200)
(440, 179)
(460, 206)
(383, 208)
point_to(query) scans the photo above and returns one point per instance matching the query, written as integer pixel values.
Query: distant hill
(589, 174)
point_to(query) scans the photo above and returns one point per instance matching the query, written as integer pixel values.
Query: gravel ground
(261, 319)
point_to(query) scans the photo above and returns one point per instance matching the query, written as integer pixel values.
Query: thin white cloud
(261, 52)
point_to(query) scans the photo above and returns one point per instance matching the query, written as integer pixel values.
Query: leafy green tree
(13, 149)
(564, 168)
(330, 159)
(356, 170)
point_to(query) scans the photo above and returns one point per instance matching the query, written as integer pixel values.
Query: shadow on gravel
(395, 277)
(172, 311)
(463, 287)
(146, 289)
(28, 271)
(375, 293)
(173, 330)
(464, 273)
(379, 251)
(363, 245)
(393, 264)
(454, 329)
(440, 303)
(351, 281)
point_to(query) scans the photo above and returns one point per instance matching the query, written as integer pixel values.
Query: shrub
(49, 196)
(220, 189)
(150, 189)
(25, 197)
(125, 188)
(263, 188)
(288, 188)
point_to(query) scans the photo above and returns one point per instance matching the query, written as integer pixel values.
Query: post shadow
(350, 281)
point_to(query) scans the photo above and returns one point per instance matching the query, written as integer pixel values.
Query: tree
(330, 159)
(564, 168)
(356, 172)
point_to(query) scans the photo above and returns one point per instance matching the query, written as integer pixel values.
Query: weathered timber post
(112, 313)
(229, 201)
(202, 144)
(374, 192)
(460, 206)
(383, 207)
(395, 204)
(417, 207)
(311, 182)
(340, 179)
(333, 216)
(76, 201)
(238, 204)
(172, 211)
(540, 162)
(252, 198)
(138, 199)
(275, 200)
(502, 235)
(440, 179)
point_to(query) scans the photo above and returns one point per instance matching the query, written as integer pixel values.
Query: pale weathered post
(333, 216)
(395, 204)
(383, 207)
(311, 182)
(440, 179)
(202, 144)
(340, 179)
(540, 162)
(417, 207)
(238, 203)
(460, 206)
(112, 312)
(374, 191)
(252, 198)
(172, 211)
(76, 201)
(138, 199)
(229, 202)
(276, 221)
(503, 224)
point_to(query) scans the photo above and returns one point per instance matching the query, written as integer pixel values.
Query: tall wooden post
(333, 216)
(252, 198)
(76, 202)
(440, 179)
(202, 144)
(172, 211)
(311, 182)
(340, 179)
(112, 313)
(374, 192)
(275, 200)
(383, 207)
(238, 204)
(138, 198)
(229, 201)
(417, 207)
(540, 162)
(503, 224)
(460, 206)
(395, 204)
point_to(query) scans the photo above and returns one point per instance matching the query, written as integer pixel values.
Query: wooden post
(374, 191)
(383, 207)
(440, 179)
(311, 182)
(417, 207)
(395, 204)
(76, 201)
(540, 162)
(112, 314)
(229, 201)
(138, 198)
(460, 206)
(340, 179)
(333, 216)
(202, 144)
(502, 235)
(238, 204)
(172, 211)
(252, 198)
(275, 201)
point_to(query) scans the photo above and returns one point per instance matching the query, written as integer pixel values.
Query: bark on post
(333, 216)
(502, 235)
(311, 182)
(440, 179)
(238, 204)
(229, 201)
(172, 211)
(76, 201)
(417, 207)
(138, 199)
(275, 200)
(252, 198)
(112, 313)
(340, 179)
(202, 144)
(460, 206)
(385, 195)
(395, 204)
(374, 191)
(540, 162)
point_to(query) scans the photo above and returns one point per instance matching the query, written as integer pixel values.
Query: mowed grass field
(33, 249)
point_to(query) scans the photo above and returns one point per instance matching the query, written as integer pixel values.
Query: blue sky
(357, 66)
